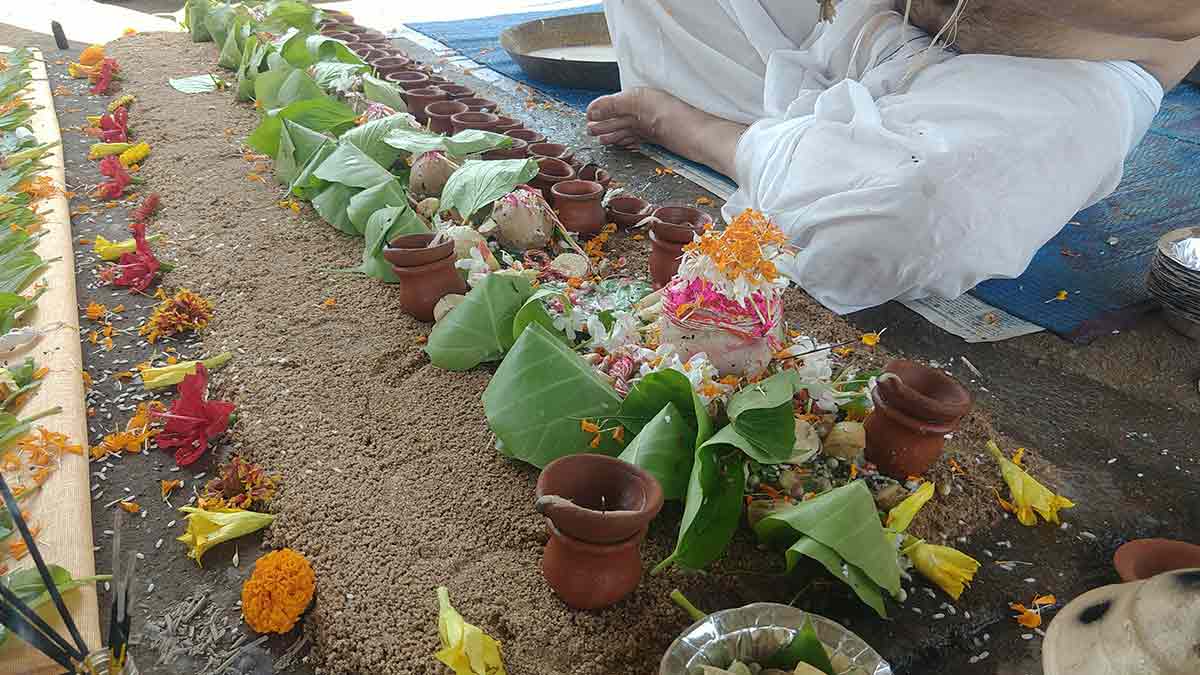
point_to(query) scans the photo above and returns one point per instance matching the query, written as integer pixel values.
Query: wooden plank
(64, 507)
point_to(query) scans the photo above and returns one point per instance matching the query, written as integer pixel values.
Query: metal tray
(524, 42)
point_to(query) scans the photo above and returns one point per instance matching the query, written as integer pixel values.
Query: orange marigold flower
(96, 311)
(278, 591)
(169, 486)
(589, 427)
(130, 507)
(179, 313)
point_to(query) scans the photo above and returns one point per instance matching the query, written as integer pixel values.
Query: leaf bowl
(757, 631)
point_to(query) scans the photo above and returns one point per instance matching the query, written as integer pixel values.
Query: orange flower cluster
(739, 250)
(36, 456)
(595, 246)
(278, 591)
(1031, 617)
(134, 438)
(181, 312)
(41, 187)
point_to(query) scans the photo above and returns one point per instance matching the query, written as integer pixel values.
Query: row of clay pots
(427, 273)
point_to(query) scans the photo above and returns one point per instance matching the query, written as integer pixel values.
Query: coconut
(429, 174)
(523, 220)
(846, 440)
(428, 207)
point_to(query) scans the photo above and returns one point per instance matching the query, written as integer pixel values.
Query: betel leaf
(712, 507)
(369, 137)
(296, 145)
(466, 142)
(318, 114)
(281, 87)
(666, 448)
(194, 14)
(306, 185)
(478, 183)
(331, 74)
(540, 394)
(383, 226)
(363, 204)
(868, 591)
(845, 520)
(350, 166)
(382, 91)
(649, 394)
(196, 84)
(534, 311)
(302, 50)
(805, 647)
(331, 204)
(231, 53)
(292, 13)
(763, 415)
(27, 584)
(481, 328)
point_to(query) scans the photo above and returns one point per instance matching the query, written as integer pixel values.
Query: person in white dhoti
(900, 166)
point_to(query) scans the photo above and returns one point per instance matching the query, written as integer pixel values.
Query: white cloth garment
(900, 172)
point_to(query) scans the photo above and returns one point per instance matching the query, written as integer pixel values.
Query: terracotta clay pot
(594, 172)
(673, 228)
(578, 205)
(1145, 558)
(507, 124)
(421, 286)
(518, 150)
(439, 115)
(407, 79)
(391, 64)
(598, 509)
(439, 81)
(551, 172)
(528, 135)
(555, 150)
(343, 36)
(665, 257)
(418, 99)
(371, 53)
(413, 250)
(457, 91)
(473, 120)
(357, 29)
(479, 104)
(627, 210)
(913, 413)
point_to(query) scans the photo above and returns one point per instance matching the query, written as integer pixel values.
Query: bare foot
(644, 115)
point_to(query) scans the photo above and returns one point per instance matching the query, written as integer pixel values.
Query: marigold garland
(278, 591)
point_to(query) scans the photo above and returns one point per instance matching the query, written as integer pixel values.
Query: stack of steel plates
(1174, 279)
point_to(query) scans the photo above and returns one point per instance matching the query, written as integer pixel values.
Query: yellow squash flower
(951, 569)
(466, 649)
(1028, 495)
(902, 514)
(112, 250)
(135, 154)
(102, 150)
(207, 528)
(165, 376)
(92, 55)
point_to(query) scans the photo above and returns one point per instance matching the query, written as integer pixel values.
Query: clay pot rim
(407, 76)
(646, 207)
(433, 253)
(650, 487)
(705, 219)
(480, 117)
(556, 163)
(475, 101)
(415, 270)
(401, 60)
(590, 548)
(561, 190)
(1131, 558)
(563, 150)
(904, 420)
(907, 396)
(597, 173)
(343, 36)
(526, 132)
(425, 91)
(435, 113)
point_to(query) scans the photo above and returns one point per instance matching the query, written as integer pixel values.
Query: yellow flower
(128, 32)
(902, 514)
(870, 339)
(165, 376)
(135, 154)
(123, 100)
(466, 649)
(101, 150)
(951, 569)
(278, 591)
(1028, 495)
(92, 55)
(206, 528)
(112, 250)
(96, 311)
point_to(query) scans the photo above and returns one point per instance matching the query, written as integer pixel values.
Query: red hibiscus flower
(137, 269)
(108, 68)
(114, 126)
(192, 421)
(119, 178)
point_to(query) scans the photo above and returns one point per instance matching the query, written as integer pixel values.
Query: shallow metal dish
(574, 30)
(756, 632)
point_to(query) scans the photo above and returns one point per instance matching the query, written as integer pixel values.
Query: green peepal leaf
(196, 84)
(382, 91)
(302, 50)
(762, 415)
(306, 185)
(666, 448)
(383, 226)
(845, 520)
(281, 87)
(479, 183)
(350, 166)
(481, 328)
(540, 394)
(367, 202)
(806, 647)
(868, 591)
(331, 204)
(369, 137)
(417, 141)
(296, 145)
(27, 585)
(712, 508)
(292, 14)
(318, 114)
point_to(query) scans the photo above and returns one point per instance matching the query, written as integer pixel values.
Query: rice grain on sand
(391, 484)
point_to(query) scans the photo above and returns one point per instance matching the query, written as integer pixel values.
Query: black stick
(15, 511)
(18, 624)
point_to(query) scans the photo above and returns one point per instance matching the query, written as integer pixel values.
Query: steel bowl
(756, 632)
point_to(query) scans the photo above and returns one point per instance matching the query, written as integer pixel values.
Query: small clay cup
(372, 53)
(507, 124)
(413, 250)
(913, 413)
(407, 79)
(457, 91)
(418, 99)
(421, 287)
(473, 120)
(627, 210)
(555, 150)
(343, 36)
(596, 498)
(480, 105)
(665, 257)
(439, 115)
(578, 205)
(680, 223)
(1144, 558)
(438, 81)
(528, 135)
(551, 171)
(518, 150)
(391, 64)
(596, 173)
(356, 29)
